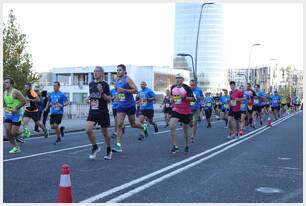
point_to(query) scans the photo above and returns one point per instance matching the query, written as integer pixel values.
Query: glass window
(63, 78)
(80, 79)
(79, 97)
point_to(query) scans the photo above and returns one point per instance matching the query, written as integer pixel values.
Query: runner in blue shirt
(224, 99)
(275, 105)
(146, 99)
(208, 103)
(257, 106)
(243, 108)
(115, 105)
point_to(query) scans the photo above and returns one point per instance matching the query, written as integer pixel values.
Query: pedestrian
(166, 105)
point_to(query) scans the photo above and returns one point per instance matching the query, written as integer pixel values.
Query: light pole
(270, 76)
(197, 42)
(189, 55)
(250, 59)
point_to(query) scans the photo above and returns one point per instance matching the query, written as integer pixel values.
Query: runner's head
(167, 92)
(56, 86)
(257, 87)
(98, 73)
(275, 92)
(193, 84)
(248, 86)
(143, 84)
(207, 94)
(8, 83)
(28, 86)
(179, 79)
(225, 92)
(232, 85)
(241, 88)
(121, 70)
(44, 93)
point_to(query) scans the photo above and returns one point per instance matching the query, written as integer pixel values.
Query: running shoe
(57, 141)
(109, 153)
(62, 131)
(225, 127)
(5, 139)
(26, 133)
(114, 136)
(36, 130)
(117, 148)
(186, 150)
(15, 150)
(155, 128)
(141, 137)
(20, 139)
(94, 152)
(241, 133)
(174, 149)
(46, 133)
(167, 125)
(145, 130)
(192, 139)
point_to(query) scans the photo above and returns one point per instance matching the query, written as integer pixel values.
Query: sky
(88, 34)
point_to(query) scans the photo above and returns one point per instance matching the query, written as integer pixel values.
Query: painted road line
(50, 152)
(143, 178)
(162, 178)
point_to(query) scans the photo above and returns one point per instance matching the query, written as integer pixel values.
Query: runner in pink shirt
(181, 95)
(236, 97)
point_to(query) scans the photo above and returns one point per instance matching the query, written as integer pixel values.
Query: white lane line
(143, 178)
(50, 152)
(162, 178)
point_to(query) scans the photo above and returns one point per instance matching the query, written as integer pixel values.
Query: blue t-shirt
(293, 100)
(197, 93)
(144, 94)
(244, 103)
(208, 103)
(224, 102)
(115, 103)
(55, 99)
(275, 100)
(258, 98)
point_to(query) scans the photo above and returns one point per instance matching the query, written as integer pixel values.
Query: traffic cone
(65, 193)
(269, 122)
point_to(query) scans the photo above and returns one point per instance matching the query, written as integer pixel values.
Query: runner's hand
(120, 90)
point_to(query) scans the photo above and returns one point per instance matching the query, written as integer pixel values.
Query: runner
(225, 99)
(217, 105)
(284, 104)
(182, 96)
(31, 111)
(288, 104)
(275, 105)
(250, 105)
(236, 97)
(147, 97)
(208, 103)
(13, 102)
(44, 95)
(40, 108)
(126, 88)
(195, 107)
(243, 108)
(115, 105)
(166, 105)
(257, 105)
(268, 104)
(99, 97)
(57, 100)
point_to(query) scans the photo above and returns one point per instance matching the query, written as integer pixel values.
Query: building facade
(210, 66)
(74, 80)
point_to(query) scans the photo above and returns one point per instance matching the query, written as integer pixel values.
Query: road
(265, 165)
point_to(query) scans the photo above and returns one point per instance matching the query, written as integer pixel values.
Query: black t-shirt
(32, 106)
(97, 102)
(167, 101)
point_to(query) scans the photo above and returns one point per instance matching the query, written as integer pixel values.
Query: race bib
(233, 102)
(256, 101)
(167, 105)
(226, 106)
(8, 110)
(121, 97)
(250, 107)
(57, 106)
(178, 99)
(143, 102)
(242, 106)
(208, 104)
(192, 103)
(94, 104)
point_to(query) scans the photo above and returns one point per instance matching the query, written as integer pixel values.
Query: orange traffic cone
(65, 193)
(269, 122)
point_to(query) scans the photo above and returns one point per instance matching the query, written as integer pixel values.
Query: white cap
(179, 76)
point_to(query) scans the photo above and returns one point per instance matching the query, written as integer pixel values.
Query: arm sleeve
(188, 90)
(172, 89)
(106, 89)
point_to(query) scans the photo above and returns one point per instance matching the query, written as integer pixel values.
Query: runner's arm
(133, 86)
(21, 98)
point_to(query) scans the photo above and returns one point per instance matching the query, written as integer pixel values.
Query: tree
(17, 62)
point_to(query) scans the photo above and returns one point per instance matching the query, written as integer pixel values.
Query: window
(63, 78)
(79, 97)
(80, 79)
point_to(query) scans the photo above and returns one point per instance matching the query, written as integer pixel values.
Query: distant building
(74, 80)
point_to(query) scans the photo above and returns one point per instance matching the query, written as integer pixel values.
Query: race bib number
(242, 106)
(208, 104)
(167, 105)
(226, 106)
(256, 101)
(192, 103)
(177, 99)
(94, 104)
(250, 107)
(9, 110)
(121, 97)
(233, 102)
(57, 106)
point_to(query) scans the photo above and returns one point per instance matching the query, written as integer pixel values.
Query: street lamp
(250, 58)
(270, 75)
(189, 55)
(197, 42)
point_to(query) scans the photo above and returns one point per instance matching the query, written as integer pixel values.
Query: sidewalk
(78, 124)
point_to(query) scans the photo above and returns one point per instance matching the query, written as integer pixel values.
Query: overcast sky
(79, 34)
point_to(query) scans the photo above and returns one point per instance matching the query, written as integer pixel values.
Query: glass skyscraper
(210, 66)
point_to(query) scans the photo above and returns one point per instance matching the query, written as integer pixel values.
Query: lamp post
(250, 59)
(193, 71)
(270, 76)
(197, 42)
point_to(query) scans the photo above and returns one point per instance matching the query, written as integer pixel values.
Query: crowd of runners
(241, 108)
